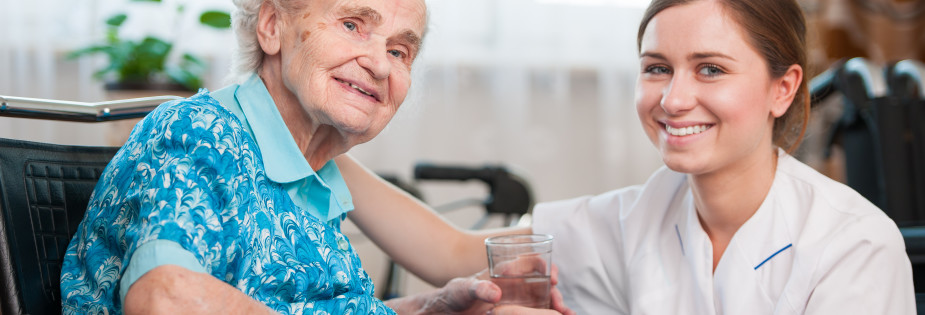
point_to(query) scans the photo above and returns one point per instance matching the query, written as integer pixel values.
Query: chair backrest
(44, 191)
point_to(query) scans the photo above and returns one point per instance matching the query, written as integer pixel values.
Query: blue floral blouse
(191, 174)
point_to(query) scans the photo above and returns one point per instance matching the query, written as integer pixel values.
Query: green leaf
(116, 20)
(191, 59)
(154, 46)
(151, 55)
(123, 60)
(88, 51)
(192, 68)
(216, 19)
(102, 72)
(189, 80)
(112, 35)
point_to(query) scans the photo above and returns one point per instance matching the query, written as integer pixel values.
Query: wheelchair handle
(460, 173)
(508, 192)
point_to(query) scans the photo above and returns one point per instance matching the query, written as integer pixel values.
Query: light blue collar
(282, 159)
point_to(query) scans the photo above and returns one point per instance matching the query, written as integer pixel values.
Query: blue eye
(711, 70)
(396, 53)
(657, 70)
(350, 26)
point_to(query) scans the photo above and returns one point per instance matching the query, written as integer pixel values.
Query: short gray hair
(247, 58)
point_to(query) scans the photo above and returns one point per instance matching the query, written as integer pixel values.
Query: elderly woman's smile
(359, 89)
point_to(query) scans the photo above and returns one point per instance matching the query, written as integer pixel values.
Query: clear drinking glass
(521, 265)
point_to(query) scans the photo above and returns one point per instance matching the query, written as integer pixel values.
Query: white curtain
(544, 86)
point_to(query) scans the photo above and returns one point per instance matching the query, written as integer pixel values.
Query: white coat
(813, 247)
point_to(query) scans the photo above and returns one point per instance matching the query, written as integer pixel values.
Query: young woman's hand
(474, 295)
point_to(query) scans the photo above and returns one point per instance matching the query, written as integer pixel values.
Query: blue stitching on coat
(679, 239)
(772, 255)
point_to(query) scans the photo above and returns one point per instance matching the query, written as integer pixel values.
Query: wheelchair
(44, 191)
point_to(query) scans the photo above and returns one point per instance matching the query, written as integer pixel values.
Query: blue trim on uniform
(772, 255)
(676, 230)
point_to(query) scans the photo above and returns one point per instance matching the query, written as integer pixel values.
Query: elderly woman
(230, 202)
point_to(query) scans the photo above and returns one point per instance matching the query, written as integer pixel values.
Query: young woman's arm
(410, 232)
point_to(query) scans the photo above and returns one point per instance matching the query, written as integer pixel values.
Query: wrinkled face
(349, 62)
(704, 95)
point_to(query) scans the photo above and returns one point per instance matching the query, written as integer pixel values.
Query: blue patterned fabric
(191, 174)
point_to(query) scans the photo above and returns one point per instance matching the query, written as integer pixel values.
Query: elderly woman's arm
(170, 289)
(404, 228)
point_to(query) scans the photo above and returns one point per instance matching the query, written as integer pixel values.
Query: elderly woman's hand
(473, 295)
(463, 296)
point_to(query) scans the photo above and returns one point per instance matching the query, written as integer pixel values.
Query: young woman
(732, 224)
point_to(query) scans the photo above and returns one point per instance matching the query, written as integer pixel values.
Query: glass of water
(521, 265)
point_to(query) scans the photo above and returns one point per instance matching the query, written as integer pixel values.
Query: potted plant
(145, 64)
(145, 67)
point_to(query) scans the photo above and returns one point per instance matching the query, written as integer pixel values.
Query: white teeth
(360, 89)
(684, 131)
(355, 87)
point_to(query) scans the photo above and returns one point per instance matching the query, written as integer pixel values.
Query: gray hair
(248, 57)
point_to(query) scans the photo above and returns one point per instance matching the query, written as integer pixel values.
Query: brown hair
(777, 30)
